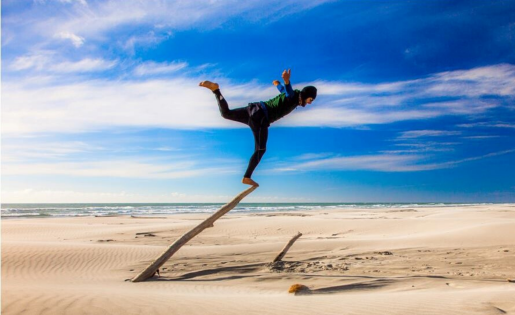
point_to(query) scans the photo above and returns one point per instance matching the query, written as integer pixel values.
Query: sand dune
(375, 261)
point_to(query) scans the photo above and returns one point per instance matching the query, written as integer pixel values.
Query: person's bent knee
(258, 152)
(226, 115)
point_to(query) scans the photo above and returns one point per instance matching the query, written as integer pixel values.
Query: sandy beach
(441, 260)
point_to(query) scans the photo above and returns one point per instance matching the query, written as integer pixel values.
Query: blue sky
(100, 100)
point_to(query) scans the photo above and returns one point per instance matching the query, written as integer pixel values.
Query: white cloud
(166, 149)
(53, 105)
(152, 68)
(148, 39)
(381, 162)
(481, 137)
(33, 61)
(144, 20)
(462, 107)
(97, 105)
(427, 133)
(47, 62)
(76, 40)
(84, 65)
(504, 125)
(42, 149)
(82, 2)
(490, 124)
(326, 116)
(497, 80)
(312, 156)
(115, 168)
(351, 104)
(451, 164)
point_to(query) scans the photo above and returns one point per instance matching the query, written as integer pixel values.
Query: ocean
(156, 209)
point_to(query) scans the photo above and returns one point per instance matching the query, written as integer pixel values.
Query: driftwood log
(172, 249)
(287, 247)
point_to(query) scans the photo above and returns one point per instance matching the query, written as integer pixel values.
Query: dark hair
(308, 91)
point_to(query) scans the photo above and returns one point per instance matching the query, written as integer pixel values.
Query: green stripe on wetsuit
(281, 105)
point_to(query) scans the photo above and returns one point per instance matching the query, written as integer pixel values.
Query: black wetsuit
(256, 116)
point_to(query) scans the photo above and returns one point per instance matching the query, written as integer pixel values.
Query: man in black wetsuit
(258, 116)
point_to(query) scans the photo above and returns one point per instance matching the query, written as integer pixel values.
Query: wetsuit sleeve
(289, 91)
(280, 87)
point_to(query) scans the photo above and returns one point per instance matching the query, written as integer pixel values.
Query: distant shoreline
(52, 210)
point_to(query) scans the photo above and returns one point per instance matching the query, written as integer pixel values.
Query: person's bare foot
(249, 181)
(210, 85)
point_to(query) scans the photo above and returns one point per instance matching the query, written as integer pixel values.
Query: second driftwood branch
(287, 247)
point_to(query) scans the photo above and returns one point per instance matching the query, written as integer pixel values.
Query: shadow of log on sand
(300, 289)
(239, 270)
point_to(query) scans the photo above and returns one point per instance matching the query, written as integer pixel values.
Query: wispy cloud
(116, 168)
(47, 62)
(172, 102)
(489, 124)
(382, 163)
(84, 65)
(460, 93)
(44, 149)
(32, 61)
(82, 2)
(149, 21)
(494, 80)
(153, 68)
(481, 137)
(412, 134)
(149, 39)
(450, 164)
(77, 41)
(107, 158)
(100, 105)
(312, 156)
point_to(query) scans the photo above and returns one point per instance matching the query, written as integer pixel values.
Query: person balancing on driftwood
(259, 115)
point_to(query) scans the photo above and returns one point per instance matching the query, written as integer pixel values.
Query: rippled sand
(449, 260)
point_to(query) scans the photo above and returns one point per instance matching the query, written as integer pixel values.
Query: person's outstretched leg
(259, 126)
(239, 114)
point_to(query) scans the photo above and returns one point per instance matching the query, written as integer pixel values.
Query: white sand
(452, 260)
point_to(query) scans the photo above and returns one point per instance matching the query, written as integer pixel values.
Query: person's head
(308, 95)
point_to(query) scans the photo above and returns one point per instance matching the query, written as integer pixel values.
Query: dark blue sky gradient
(365, 41)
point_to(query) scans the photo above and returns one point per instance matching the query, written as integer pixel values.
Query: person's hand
(286, 76)
(276, 83)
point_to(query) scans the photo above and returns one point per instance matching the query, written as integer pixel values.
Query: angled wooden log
(287, 247)
(172, 249)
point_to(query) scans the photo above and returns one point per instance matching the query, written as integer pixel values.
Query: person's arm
(288, 89)
(279, 86)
